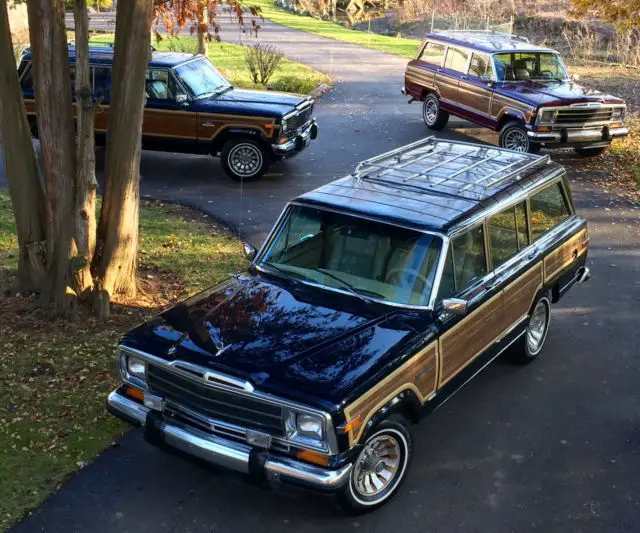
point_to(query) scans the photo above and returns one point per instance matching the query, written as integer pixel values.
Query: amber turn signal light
(353, 424)
(135, 393)
(313, 457)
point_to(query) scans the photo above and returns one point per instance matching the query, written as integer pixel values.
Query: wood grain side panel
(210, 124)
(564, 255)
(469, 337)
(30, 106)
(169, 123)
(519, 295)
(420, 77)
(418, 375)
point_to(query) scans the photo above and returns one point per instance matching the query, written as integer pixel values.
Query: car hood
(540, 93)
(300, 342)
(249, 102)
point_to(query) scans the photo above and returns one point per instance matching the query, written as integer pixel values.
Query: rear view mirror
(456, 306)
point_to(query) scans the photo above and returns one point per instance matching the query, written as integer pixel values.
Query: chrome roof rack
(484, 33)
(447, 168)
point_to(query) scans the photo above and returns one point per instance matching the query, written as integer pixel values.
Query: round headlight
(310, 426)
(137, 367)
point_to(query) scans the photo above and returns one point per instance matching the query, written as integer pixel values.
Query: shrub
(184, 46)
(262, 60)
(293, 84)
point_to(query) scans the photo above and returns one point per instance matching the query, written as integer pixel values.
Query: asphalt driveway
(549, 447)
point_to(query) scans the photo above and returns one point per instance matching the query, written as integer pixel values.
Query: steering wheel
(547, 73)
(417, 274)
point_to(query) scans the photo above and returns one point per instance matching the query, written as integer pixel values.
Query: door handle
(463, 78)
(533, 253)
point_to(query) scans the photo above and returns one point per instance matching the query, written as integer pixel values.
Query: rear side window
(102, 83)
(508, 233)
(469, 257)
(547, 209)
(456, 59)
(432, 53)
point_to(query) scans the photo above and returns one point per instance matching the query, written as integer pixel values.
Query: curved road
(549, 447)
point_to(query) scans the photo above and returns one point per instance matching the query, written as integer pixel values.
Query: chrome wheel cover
(377, 466)
(245, 160)
(430, 111)
(537, 328)
(516, 139)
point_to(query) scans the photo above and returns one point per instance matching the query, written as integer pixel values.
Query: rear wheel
(244, 159)
(380, 468)
(531, 343)
(434, 117)
(513, 136)
(591, 152)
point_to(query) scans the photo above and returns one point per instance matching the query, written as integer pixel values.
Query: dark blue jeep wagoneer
(373, 299)
(192, 108)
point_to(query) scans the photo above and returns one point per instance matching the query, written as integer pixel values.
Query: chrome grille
(299, 119)
(581, 116)
(222, 405)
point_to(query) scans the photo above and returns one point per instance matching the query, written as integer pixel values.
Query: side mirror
(456, 306)
(249, 251)
(487, 80)
(574, 77)
(181, 98)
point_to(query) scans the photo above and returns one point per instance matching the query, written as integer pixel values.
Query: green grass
(229, 59)
(55, 376)
(394, 45)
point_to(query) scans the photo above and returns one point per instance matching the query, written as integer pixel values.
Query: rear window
(432, 53)
(480, 65)
(547, 209)
(456, 59)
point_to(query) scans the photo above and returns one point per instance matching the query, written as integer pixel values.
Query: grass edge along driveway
(393, 45)
(55, 376)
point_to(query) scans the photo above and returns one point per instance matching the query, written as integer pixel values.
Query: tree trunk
(57, 141)
(85, 218)
(203, 28)
(21, 166)
(118, 227)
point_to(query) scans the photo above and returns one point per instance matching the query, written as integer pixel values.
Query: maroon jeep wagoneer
(523, 91)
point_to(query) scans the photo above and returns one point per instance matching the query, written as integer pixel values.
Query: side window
(456, 59)
(26, 82)
(433, 54)
(102, 83)
(157, 85)
(547, 209)
(469, 257)
(480, 65)
(503, 236)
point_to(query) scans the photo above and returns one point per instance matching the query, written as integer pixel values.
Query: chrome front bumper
(578, 136)
(227, 453)
(299, 142)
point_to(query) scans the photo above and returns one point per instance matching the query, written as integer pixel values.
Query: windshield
(201, 78)
(372, 259)
(524, 66)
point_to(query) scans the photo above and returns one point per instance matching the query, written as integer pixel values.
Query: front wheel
(513, 136)
(380, 468)
(591, 152)
(244, 159)
(531, 343)
(434, 117)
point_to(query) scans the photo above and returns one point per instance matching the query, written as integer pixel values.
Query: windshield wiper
(345, 285)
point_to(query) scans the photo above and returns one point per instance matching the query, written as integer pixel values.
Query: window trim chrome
(174, 367)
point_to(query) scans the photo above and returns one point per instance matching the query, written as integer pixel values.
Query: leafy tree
(625, 14)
